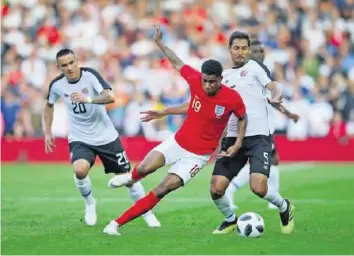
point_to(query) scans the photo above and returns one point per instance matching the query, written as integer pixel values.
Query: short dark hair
(239, 35)
(212, 67)
(64, 52)
(256, 42)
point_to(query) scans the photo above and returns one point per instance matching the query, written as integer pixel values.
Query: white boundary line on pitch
(171, 200)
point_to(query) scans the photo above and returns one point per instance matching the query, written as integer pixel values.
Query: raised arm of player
(157, 114)
(171, 56)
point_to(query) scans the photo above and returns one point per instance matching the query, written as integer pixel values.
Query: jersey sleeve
(239, 108)
(263, 74)
(52, 95)
(192, 76)
(99, 84)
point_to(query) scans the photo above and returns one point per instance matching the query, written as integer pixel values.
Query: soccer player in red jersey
(190, 148)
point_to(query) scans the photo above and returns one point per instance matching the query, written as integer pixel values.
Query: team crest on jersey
(243, 73)
(219, 110)
(85, 91)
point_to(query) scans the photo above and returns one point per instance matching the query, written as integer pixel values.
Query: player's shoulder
(255, 64)
(229, 93)
(91, 72)
(227, 72)
(56, 81)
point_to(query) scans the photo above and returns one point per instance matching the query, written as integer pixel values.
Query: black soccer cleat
(287, 219)
(226, 227)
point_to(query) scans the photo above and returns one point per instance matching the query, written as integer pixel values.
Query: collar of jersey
(241, 66)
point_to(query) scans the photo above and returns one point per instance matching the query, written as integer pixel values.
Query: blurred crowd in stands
(309, 50)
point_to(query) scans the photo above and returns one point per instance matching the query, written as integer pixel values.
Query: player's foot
(272, 206)
(151, 220)
(111, 229)
(121, 180)
(287, 219)
(225, 227)
(90, 214)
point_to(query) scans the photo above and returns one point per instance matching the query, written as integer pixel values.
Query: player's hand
(230, 152)
(295, 118)
(78, 97)
(48, 143)
(152, 115)
(158, 33)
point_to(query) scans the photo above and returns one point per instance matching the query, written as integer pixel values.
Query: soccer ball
(250, 224)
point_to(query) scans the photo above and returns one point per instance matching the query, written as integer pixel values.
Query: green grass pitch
(42, 214)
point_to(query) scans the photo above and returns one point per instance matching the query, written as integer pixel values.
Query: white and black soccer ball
(250, 224)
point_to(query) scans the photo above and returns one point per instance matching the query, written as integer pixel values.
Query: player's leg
(145, 204)
(242, 178)
(82, 158)
(115, 160)
(178, 175)
(259, 150)
(274, 177)
(225, 170)
(161, 155)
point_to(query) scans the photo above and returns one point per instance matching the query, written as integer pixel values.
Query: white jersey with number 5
(89, 123)
(250, 82)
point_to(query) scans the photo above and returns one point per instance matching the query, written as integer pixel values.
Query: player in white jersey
(251, 80)
(257, 53)
(91, 132)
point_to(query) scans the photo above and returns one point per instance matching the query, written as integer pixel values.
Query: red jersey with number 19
(207, 115)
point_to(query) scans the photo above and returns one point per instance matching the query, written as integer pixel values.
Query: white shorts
(185, 164)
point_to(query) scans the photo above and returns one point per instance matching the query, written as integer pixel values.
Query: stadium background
(309, 49)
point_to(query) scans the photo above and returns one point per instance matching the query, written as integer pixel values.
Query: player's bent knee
(217, 192)
(218, 186)
(258, 184)
(81, 168)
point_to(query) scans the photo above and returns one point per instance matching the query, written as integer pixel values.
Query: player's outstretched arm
(171, 56)
(105, 97)
(286, 112)
(277, 96)
(48, 121)
(157, 114)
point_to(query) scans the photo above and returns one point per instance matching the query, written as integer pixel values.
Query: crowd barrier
(313, 149)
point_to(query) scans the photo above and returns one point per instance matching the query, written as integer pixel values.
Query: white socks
(85, 188)
(275, 198)
(223, 204)
(273, 179)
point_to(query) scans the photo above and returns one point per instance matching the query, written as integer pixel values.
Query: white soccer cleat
(90, 214)
(151, 220)
(111, 229)
(120, 180)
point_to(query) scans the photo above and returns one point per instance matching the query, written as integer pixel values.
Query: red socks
(135, 175)
(141, 206)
